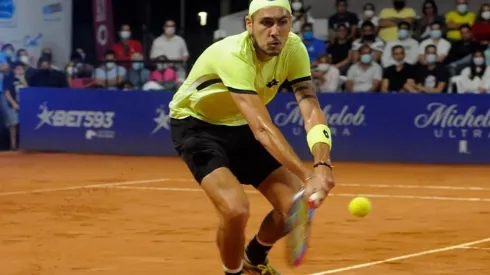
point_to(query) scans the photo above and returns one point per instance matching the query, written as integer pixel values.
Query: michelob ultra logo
(449, 116)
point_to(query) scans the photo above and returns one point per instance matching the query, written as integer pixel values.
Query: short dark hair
(368, 24)
(397, 47)
(430, 46)
(108, 52)
(404, 23)
(365, 47)
(465, 26)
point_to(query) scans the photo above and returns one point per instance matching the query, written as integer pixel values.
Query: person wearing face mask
(481, 27)
(369, 14)
(9, 51)
(365, 75)
(368, 37)
(389, 18)
(164, 74)
(442, 45)
(315, 46)
(432, 77)
(458, 17)
(126, 46)
(430, 14)
(405, 40)
(342, 17)
(138, 74)
(110, 75)
(300, 11)
(47, 54)
(400, 76)
(461, 51)
(476, 77)
(339, 51)
(326, 77)
(46, 76)
(23, 57)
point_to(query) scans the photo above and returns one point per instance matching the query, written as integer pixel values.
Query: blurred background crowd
(395, 47)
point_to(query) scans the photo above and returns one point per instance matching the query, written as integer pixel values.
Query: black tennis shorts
(205, 147)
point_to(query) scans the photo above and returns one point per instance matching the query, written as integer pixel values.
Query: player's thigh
(279, 188)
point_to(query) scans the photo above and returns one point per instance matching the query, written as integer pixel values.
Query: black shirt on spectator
(460, 49)
(430, 78)
(339, 52)
(349, 19)
(398, 78)
(48, 78)
(10, 84)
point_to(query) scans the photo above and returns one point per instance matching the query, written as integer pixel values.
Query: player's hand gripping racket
(298, 226)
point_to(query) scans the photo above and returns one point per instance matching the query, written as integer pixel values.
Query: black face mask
(369, 37)
(399, 5)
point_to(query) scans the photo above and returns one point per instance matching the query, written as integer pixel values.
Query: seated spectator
(389, 18)
(432, 77)
(369, 12)
(400, 76)
(339, 50)
(481, 28)
(476, 77)
(46, 76)
(164, 74)
(461, 52)
(9, 52)
(138, 75)
(47, 54)
(430, 14)
(127, 86)
(23, 57)
(301, 15)
(10, 101)
(457, 18)
(82, 68)
(368, 37)
(342, 17)
(442, 45)
(126, 47)
(110, 75)
(315, 46)
(325, 76)
(410, 45)
(366, 75)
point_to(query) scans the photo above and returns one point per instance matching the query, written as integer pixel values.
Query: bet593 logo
(75, 118)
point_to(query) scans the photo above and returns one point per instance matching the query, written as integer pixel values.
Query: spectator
(389, 19)
(442, 45)
(164, 74)
(4, 67)
(110, 75)
(368, 37)
(339, 50)
(326, 76)
(476, 77)
(46, 76)
(369, 12)
(343, 17)
(138, 75)
(481, 28)
(23, 57)
(82, 53)
(315, 46)
(81, 68)
(461, 52)
(127, 86)
(410, 45)
(9, 52)
(432, 77)
(366, 75)
(10, 101)
(457, 18)
(47, 54)
(126, 47)
(301, 15)
(429, 16)
(398, 77)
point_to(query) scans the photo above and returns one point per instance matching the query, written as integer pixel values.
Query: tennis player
(222, 130)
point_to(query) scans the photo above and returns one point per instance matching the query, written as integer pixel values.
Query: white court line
(475, 247)
(178, 189)
(399, 258)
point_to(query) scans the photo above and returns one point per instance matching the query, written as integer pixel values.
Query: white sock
(226, 269)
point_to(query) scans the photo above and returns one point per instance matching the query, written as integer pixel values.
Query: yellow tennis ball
(360, 206)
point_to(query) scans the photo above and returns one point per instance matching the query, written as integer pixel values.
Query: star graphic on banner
(162, 120)
(44, 116)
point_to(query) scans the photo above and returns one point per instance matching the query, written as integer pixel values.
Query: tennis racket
(298, 224)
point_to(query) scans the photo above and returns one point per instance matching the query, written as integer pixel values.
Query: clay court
(67, 214)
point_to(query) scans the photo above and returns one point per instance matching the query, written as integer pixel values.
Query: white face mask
(368, 13)
(24, 59)
(70, 70)
(296, 6)
(125, 34)
(161, 66)
(485, 15)
(478, 61)
(169, 30)
(110, 65)
(323, 67)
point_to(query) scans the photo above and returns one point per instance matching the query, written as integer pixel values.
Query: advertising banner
(103, 26)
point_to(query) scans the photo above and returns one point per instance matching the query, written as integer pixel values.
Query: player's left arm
(318, 133)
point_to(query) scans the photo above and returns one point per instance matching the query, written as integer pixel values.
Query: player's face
(269, 29)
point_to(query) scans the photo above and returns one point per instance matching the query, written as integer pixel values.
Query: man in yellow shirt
(457, 18)
(221, 128)
(389, 18)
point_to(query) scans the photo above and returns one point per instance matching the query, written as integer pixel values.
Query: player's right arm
(239, 76)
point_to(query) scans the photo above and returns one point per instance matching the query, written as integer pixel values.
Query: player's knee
(235, 213)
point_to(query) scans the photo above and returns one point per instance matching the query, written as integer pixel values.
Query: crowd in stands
(400, 49)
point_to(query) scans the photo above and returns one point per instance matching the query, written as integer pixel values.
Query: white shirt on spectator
(443, 46)
(468, 85)
(363, 78)
(377, 45)
(411, 47)
(173, 48)
(332, 80)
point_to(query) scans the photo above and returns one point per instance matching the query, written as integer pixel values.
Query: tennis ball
(360, 206)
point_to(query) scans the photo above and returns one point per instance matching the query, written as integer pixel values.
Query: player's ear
(248, 24)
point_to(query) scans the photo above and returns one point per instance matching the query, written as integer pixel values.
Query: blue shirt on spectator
(3, 60)
(115, 72)
(315, 47)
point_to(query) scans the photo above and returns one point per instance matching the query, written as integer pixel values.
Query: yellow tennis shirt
(231, 66)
